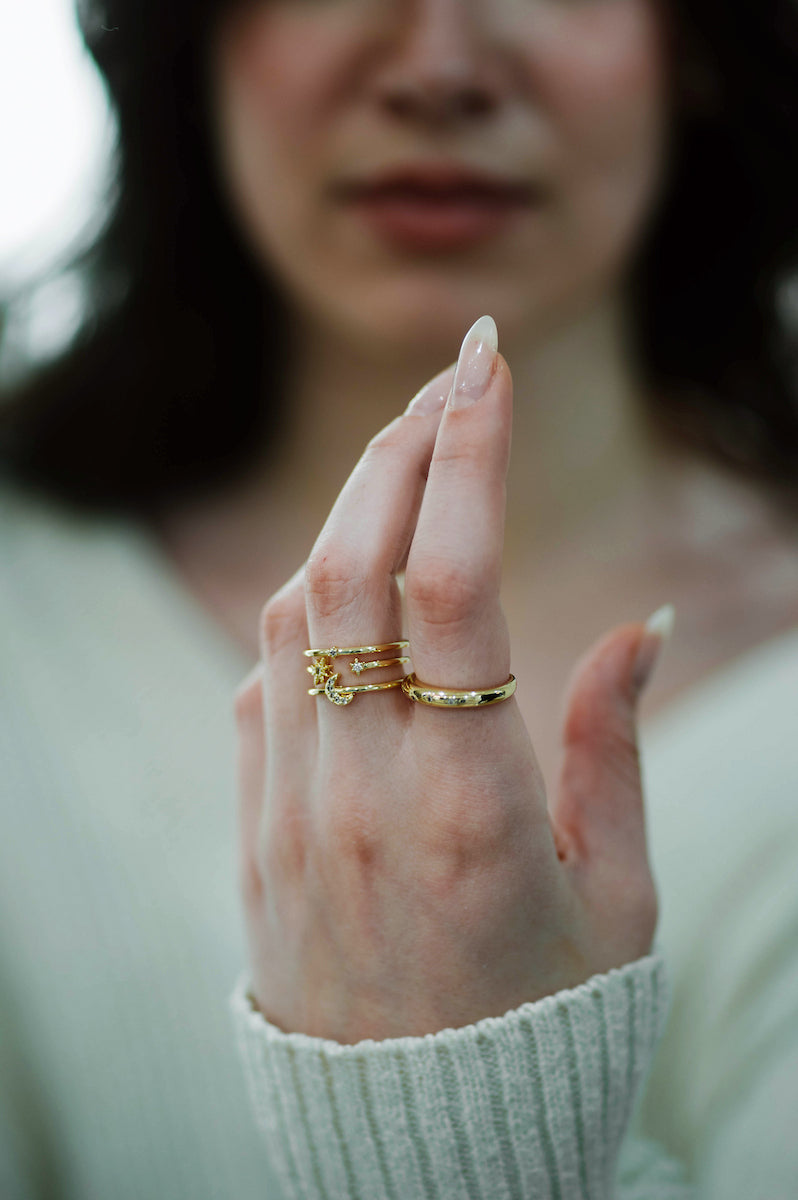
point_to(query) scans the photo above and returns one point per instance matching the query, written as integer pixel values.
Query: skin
(403, 874)
(308, 95)
(405, 869)
(576, 96)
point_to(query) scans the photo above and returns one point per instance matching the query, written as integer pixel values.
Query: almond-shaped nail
(432, 397)
(475, 363)
(658, 629)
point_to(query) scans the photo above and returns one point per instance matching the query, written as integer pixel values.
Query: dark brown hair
(165, 389)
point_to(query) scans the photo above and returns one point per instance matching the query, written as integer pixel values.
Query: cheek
(600, 53)
(283, 67)
(272, 75)
(601, 75)
(261, 81)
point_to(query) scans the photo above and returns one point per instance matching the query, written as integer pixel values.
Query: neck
(338, 397)
(581, 442)
(581, 450)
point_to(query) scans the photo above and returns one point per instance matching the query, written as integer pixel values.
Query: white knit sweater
(121, 938)
(529, 1106)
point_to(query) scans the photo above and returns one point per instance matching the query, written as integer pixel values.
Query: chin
(407, 319)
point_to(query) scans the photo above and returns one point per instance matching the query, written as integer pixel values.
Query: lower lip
(419, 224)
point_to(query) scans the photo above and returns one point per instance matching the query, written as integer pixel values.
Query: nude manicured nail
(475, 363)
(658, 629)
(432, 396)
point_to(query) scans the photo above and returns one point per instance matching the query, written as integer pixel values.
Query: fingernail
(433, 395)
(658, 629)
(475, 363)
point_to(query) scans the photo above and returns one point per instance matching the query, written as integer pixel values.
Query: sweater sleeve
(531, 1104)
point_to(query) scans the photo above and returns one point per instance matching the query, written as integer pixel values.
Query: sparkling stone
(321, 670)
(337, 697)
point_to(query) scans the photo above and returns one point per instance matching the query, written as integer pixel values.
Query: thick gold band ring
(438, 697)
(345, 695)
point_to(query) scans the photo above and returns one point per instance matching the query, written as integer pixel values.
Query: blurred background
(56, 137)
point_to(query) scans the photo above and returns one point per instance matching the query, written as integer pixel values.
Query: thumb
(599, 807)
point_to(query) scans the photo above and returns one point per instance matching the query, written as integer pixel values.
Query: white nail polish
(658, 628)
(661, 622)
(475, 363)
(432, 397)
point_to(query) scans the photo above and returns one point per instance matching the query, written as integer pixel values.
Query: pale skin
(371, 911)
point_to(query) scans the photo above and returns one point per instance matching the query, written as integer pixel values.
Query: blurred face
(403, 166)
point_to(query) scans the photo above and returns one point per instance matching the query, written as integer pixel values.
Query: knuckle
(608, 739)
(616, 750)
(250, 882)
(470, 831)
(277, 624)
(333, 580)
(286, 848)
(351, 836)
(628, 765)
(444, 592)
(248, 700)
(390, 439)
(462, 455)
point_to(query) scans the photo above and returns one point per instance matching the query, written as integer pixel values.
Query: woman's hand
(401, 870)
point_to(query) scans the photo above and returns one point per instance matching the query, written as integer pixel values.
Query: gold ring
(438, 697)
(322, 666)
(335, 652)
(345, 695)
(357, 667)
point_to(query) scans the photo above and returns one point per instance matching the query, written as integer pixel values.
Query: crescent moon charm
(332, 693)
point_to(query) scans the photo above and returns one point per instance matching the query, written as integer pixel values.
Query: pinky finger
(290, 714)
(250, 778)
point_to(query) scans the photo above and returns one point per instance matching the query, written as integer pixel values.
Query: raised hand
(402, 871)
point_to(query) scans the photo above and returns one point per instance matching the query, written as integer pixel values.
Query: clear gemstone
(334, 695)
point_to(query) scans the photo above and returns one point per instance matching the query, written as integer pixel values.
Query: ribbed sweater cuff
(531, 1104)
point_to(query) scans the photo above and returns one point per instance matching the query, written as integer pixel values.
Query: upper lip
(439, 179)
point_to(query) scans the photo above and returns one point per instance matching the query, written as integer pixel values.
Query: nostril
(401, 104)
(475, 103)
(438, 104)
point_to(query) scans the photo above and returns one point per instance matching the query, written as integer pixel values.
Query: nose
(442, 66)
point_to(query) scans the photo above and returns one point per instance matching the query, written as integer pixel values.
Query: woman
(378, 177)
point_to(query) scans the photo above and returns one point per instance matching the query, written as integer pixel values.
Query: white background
(55, 135)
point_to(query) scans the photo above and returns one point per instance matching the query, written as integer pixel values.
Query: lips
(438, 207)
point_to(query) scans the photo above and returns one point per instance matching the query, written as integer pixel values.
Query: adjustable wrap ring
(439, 697)
(336, 652)
(326, 681)
(346, 694)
